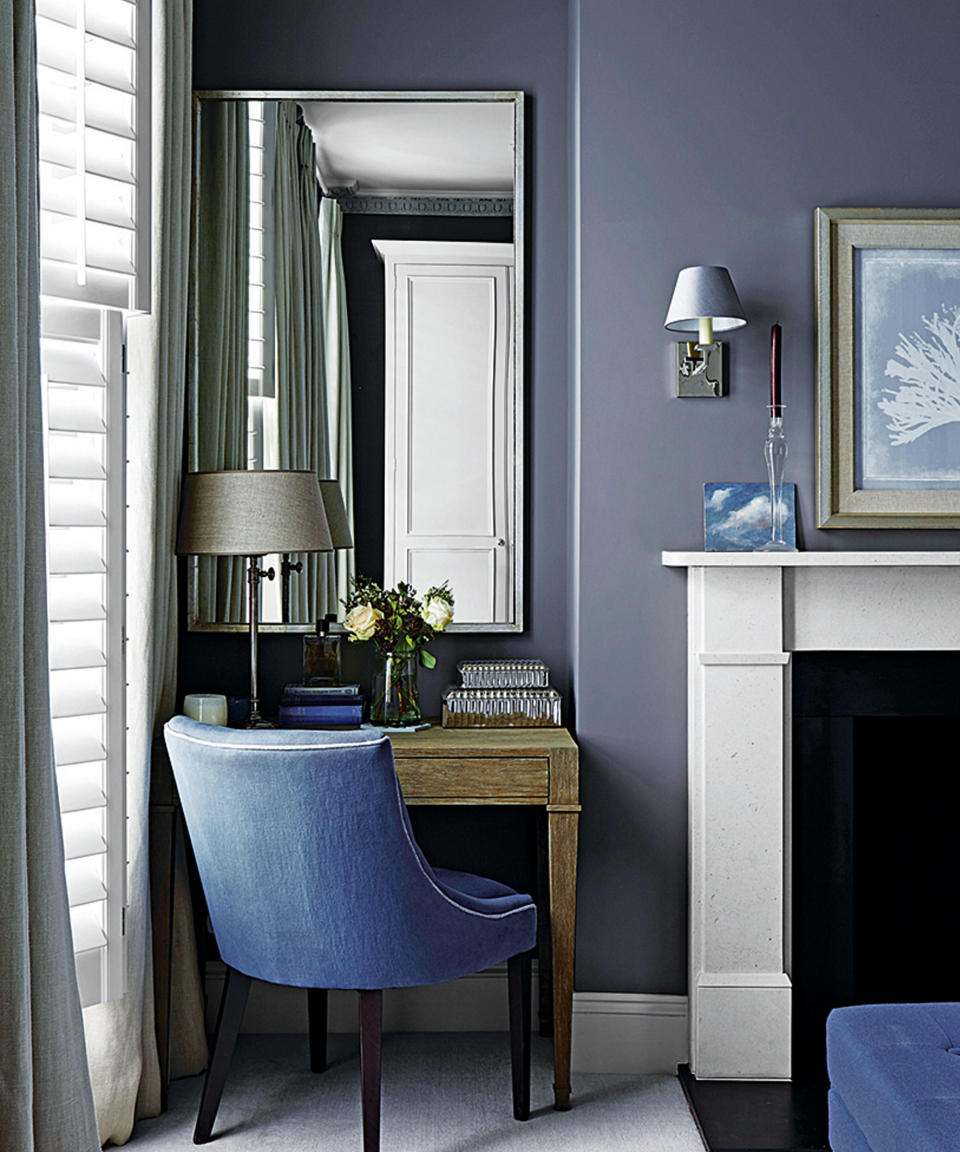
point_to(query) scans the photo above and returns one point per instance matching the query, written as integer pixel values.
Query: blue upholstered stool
(894, 1078)
(313, 879)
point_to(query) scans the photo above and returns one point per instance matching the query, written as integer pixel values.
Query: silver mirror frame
(194, 624)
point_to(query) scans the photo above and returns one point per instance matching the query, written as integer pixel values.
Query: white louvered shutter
(81, 353)
(94, 267)
(94, 233)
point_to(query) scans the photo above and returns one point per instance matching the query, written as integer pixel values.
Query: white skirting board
(626, 1033)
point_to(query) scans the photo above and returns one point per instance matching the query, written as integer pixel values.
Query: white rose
(362, 621)
(437, 613)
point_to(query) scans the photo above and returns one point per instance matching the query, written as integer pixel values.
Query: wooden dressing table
(529, 766)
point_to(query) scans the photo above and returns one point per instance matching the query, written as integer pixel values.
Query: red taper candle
(775, 397)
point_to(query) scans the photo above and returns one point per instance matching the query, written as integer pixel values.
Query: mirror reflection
(358, 301)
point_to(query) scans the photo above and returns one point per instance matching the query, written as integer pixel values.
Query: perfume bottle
(321, 654)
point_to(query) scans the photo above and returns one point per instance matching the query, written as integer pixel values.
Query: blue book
(330, 715)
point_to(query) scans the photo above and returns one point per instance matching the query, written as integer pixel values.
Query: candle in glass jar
(775, 397)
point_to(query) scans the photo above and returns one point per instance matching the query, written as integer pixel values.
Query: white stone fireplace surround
(746, 613)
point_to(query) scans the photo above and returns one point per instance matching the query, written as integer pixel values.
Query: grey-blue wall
(710, 132)
(792, 104)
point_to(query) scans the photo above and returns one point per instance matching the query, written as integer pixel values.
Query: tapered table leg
(562, 844)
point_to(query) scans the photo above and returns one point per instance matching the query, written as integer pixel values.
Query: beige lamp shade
(337, 521)
(252, 513)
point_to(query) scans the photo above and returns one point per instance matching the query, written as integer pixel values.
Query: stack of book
(502, 694)
(321, 706)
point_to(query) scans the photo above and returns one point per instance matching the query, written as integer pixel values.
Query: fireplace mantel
(746, 613)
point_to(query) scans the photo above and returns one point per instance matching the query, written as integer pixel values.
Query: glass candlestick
(775, 455)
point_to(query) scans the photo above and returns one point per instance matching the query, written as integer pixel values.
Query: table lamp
(704, 301)
(340, 537)
(252, 514)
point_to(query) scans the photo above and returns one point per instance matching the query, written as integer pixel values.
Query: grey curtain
(45, 1098)
(336, 357)
(301, 387)
(122, 1036)
(222, 309)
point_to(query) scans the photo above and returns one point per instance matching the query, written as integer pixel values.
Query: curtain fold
(45, 1097)
(336, 357)
(301, 388)
(122, 1035)
(222, 309)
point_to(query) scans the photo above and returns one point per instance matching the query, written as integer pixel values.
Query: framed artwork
(888, 368)
(736, 517)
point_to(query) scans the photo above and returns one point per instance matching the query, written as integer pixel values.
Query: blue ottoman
(894, 1078)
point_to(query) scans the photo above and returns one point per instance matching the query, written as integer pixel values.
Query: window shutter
(81, 354)
(93, 129)
(93, 88)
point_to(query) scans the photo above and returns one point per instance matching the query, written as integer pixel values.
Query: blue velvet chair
(313, 879)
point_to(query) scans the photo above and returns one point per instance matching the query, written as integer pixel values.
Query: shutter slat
(67, 322)
(66, 656)
(76, 502)
(106, 288)
(84, 886)
(79, 788)
(113, 19)
(71, 561)
(75, 457)
(80, 838)
(75, 701)
(72, 747)
(91, 968)
(72, 409)
(71, 362)
(87, 923)
(109, 247)
(69, 604)
(107, 201)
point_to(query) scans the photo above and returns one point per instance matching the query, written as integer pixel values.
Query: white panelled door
(449, 405)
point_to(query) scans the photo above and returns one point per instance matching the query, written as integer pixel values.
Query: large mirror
(357, 294)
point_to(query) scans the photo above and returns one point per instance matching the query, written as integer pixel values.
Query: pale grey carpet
(442, 1092)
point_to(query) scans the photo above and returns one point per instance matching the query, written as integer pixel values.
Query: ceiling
(414, 146)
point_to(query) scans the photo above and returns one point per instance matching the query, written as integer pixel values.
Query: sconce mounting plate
(701, 369)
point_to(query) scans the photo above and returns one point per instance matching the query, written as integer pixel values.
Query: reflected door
(449, 409)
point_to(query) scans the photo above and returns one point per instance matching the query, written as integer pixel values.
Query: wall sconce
(704, 301)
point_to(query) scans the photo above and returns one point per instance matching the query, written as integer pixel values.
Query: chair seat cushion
(478, 892)
(896, 1069)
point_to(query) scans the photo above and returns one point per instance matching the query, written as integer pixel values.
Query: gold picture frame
(888, 367)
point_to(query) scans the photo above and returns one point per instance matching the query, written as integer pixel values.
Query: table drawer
(476, 779)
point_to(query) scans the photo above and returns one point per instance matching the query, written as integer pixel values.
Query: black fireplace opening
(876, 803)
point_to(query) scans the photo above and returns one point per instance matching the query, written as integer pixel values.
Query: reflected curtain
(336, 358)
(45, 1099)
(122, 1035)
(301, 388)
(222, 310)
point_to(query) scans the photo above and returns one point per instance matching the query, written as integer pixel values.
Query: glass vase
(775, 455)
(395, 700)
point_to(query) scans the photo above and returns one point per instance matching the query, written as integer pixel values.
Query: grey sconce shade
(252, 514)
(704, 293)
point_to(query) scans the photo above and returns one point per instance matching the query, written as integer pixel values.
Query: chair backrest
(311, 872)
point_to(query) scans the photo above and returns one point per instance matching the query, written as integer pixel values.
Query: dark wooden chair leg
(235, 992)
(317, 1025)
(371, 1043)
(518, 974)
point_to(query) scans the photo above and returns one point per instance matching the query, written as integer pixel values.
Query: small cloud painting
(736, 517)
